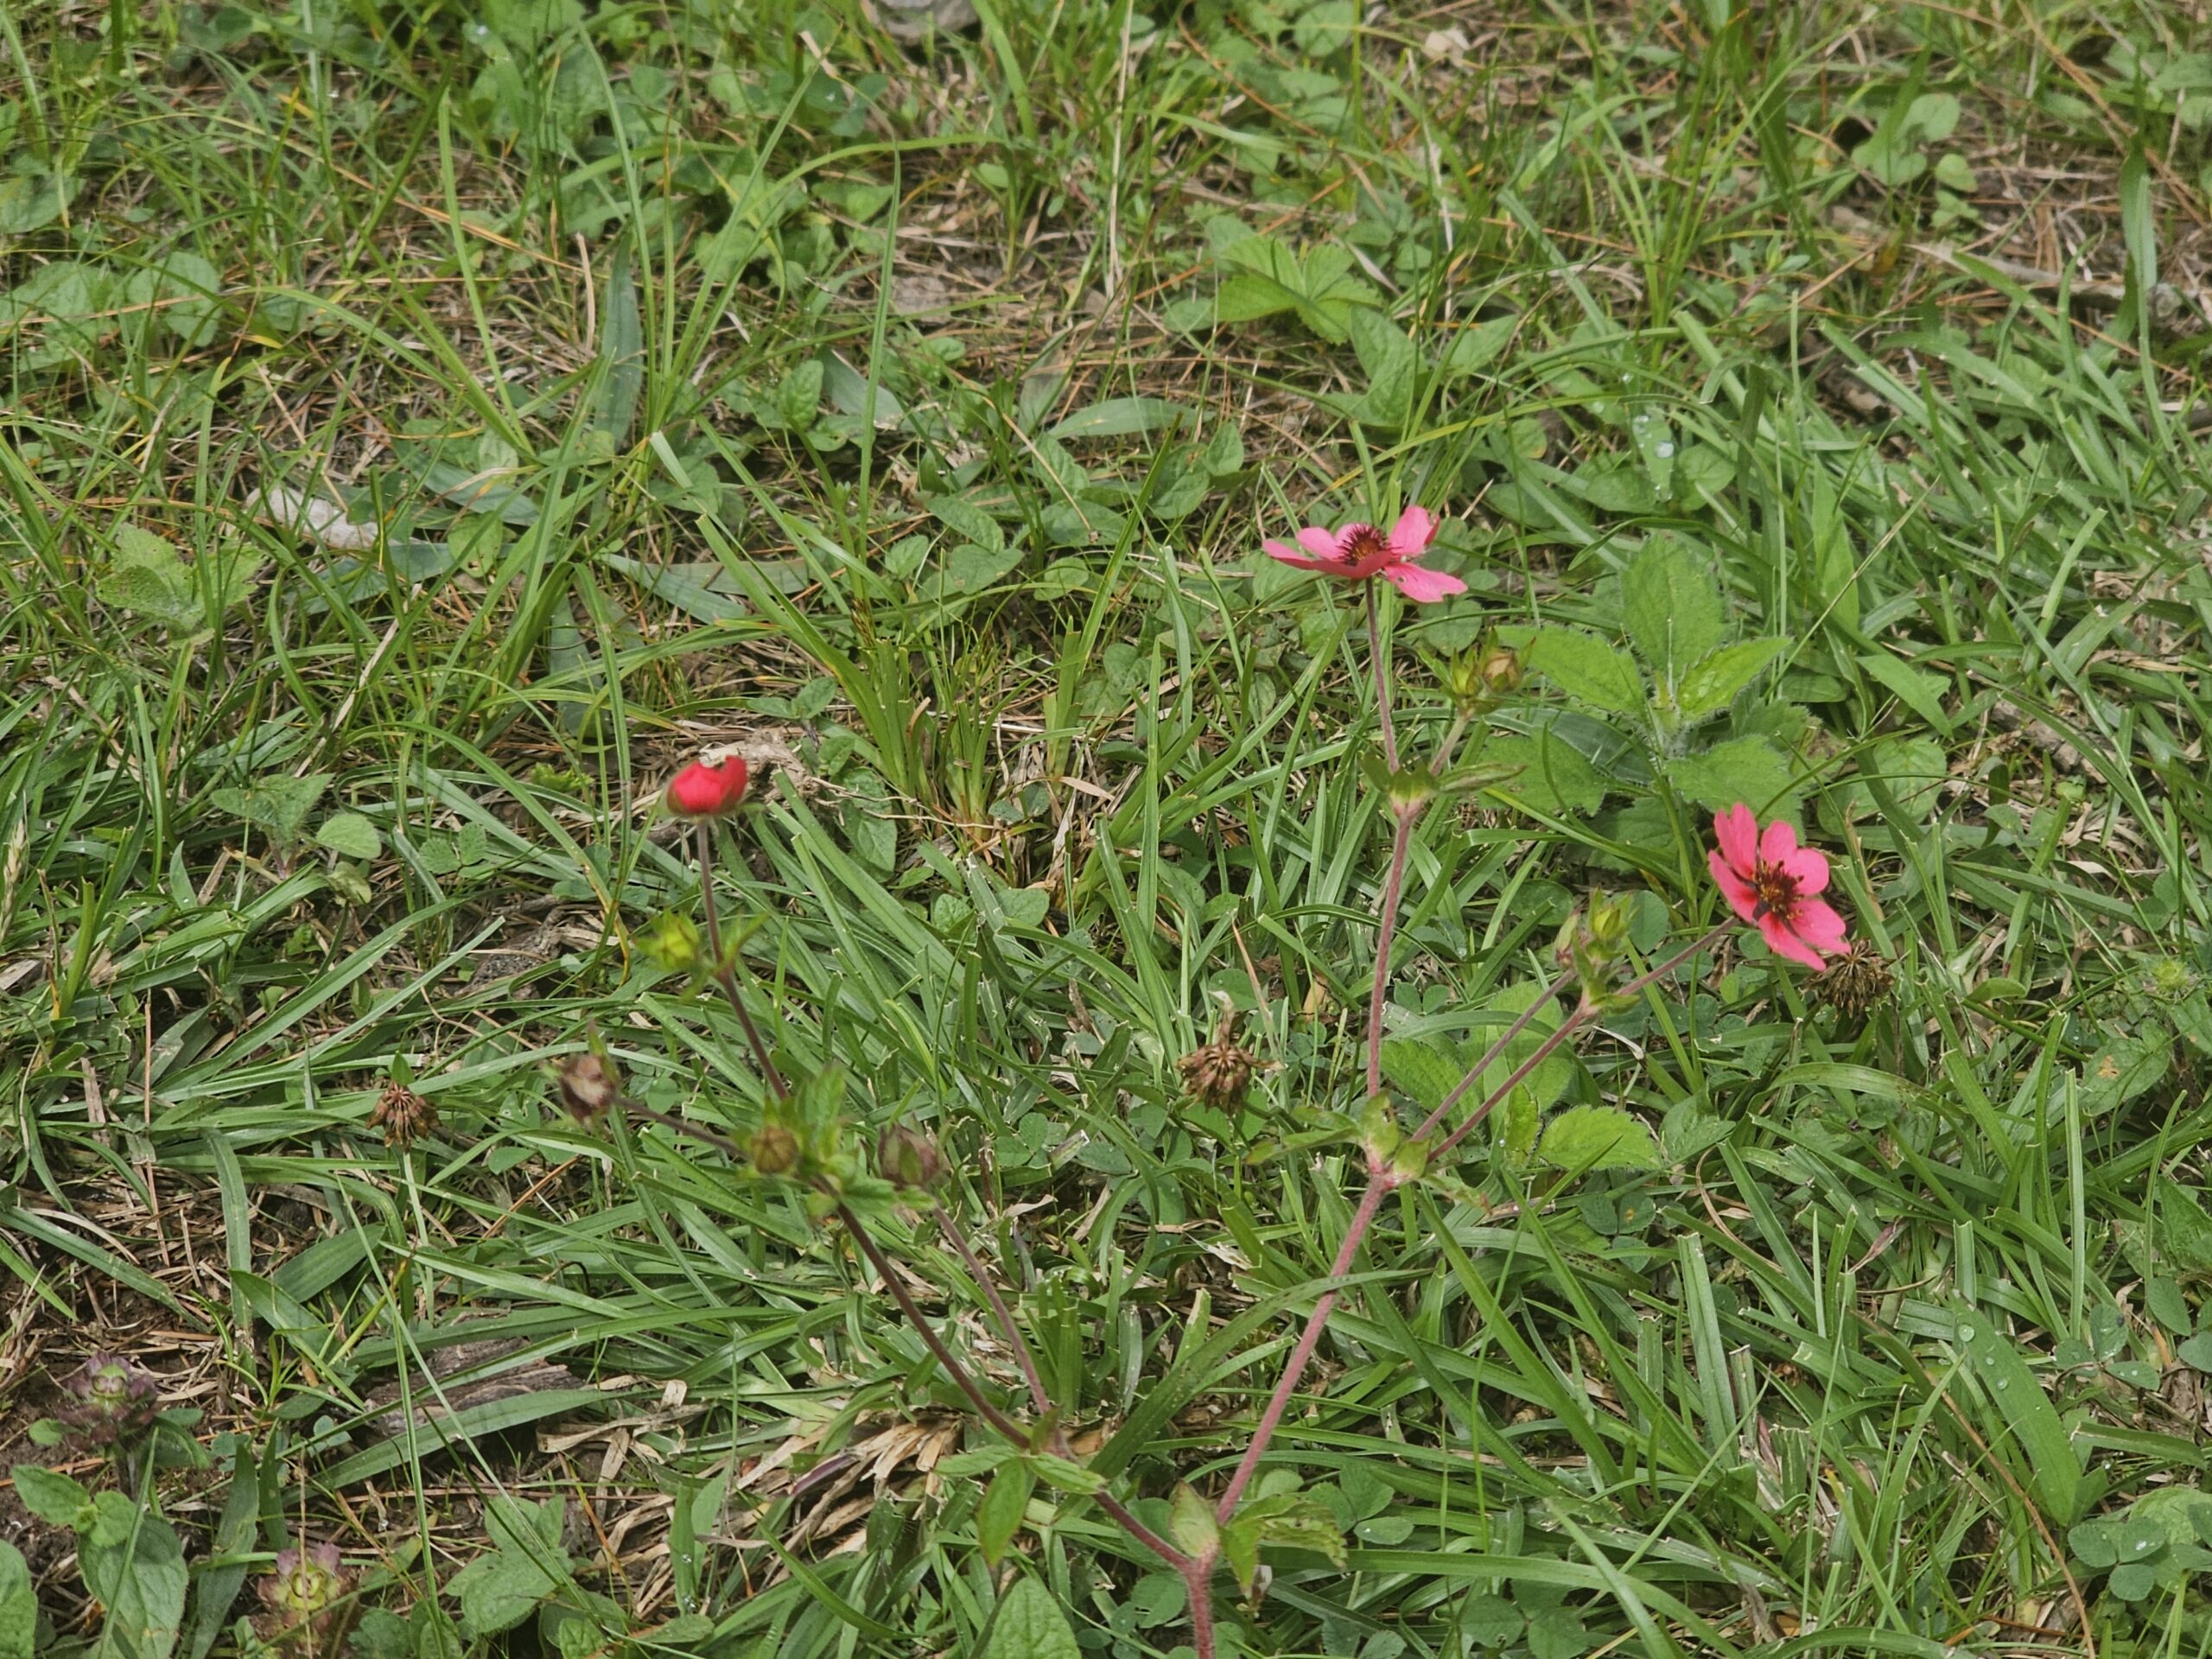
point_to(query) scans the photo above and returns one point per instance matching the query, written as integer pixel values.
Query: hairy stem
(1038, 1397)
(1382, 674)
(1379, 1183)
(1393, 890)
(725, 970)
(997, 1419)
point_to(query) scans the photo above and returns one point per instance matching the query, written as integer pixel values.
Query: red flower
(1359, 551)
(703, 791)
(1771, 881)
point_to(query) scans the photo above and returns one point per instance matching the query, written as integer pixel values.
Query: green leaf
(963, 518)
(622, 352)
(279, 805)
(1390, 363)
(1711, 683)
(1268, 278)
(2037, 1438)
(18, 1606)
(998, 1517)
(350, 835)
(2133, 1580)
(147, 575)
(183, 287)
(1121, 417)
(1477, 344)
(1597, 1137)
(1191, 1523)
(1747, 769)
(1586, 668)
(1916, 688)
(1029, 1624)
(2095, 1544)
(1671, 606)
(141, 1579)
(499, 1591)
(2125, 1066)
(1289, 1521)
(1558, 1633)
(2196, 1351)
(54, 1498)
(1490, 1621)
(1553, 776)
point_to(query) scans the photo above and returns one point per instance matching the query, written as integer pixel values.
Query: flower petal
(1420, 584)
(1415, 531)
(1808, 868)
(1738, 832)
(1779, 842)
(1783, 943)
(1816, 922)
(1289, 555)
(1322, 543)
(1742, 897)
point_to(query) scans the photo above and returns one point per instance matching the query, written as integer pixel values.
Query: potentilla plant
(1767, 880)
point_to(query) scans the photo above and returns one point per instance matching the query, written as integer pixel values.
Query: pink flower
(1359, 551)
(1771, 881)
(703, 791)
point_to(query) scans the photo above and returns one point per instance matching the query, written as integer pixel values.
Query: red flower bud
(703, 791)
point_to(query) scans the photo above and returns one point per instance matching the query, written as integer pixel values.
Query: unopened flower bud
(673, 945)
(1608, 925)
(1499, 668)
(773, 1149)
(907, 1158)
(590, 1086)
(703, 791)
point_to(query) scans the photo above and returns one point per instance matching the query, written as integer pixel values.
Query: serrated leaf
(18, 1606)
(1029, 1624)
(1289, 1521)
(279, 805)
(350, 835)
(51, 1497)
(1390, 363)
(1714, 679)
(1477, 344)
(1553, 776)
(1586, 668)
(1268, 277)
(1671, 606)
(1747, 769)
(1597, 1137)
(141, 1580)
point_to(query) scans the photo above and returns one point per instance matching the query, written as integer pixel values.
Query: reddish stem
(1381, 677)
(997, 1419)
(1379, 1183)
(1393, 890)
(725, 971)
(1038, 1397)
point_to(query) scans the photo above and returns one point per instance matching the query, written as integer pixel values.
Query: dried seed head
(773, 1149)
(590, 1086)
(1856, 982)
(307, 1598)
(404, 1115)
(907, 1158)
(1219, 1073)
(112, 1400)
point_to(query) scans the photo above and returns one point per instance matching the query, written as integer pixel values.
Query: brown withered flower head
(404, 1115)
(907, 1158)
(1219, 1073)
(773, 1149)
(1854, 981)
(590, 1086)
(307, 1602)
(113, 1402)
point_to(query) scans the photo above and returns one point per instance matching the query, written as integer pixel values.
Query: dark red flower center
(1360, 543)
(1776, 889)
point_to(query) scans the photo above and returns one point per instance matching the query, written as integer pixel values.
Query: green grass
(724, 373)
